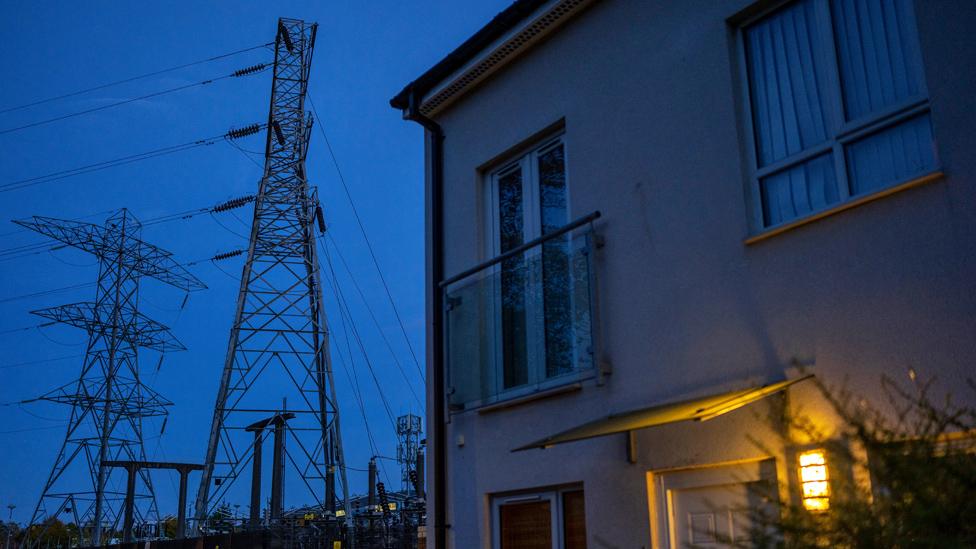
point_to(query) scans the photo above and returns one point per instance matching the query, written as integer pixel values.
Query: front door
(710, 516)
(710, 506)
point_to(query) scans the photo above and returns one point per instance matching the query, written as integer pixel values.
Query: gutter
(435, 273)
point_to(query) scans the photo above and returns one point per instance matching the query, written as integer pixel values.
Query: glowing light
(814, 480)
(813, 457)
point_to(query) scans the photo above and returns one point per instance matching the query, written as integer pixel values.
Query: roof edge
(497, 27)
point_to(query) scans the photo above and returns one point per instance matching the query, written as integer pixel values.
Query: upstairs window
(521, 323)
(530, 199)
(838, 107)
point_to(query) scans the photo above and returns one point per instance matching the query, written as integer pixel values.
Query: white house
(666, 212)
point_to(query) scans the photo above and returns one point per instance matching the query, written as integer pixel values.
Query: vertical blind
(799, 190)
(793, 92)
(787, 97)
(877, 53)
(525, 526)
(786, 77)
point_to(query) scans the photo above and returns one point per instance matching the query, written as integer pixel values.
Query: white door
(710, 516)
(709, 506)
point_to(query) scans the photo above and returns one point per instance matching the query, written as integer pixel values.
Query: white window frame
(841, 132)
(527, 161)
(555, 499)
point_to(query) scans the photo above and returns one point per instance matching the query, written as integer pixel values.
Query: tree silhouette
(920, 454)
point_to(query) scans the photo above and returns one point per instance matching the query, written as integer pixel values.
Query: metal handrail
(516, 251)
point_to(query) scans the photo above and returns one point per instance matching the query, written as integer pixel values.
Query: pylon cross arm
(137, 329)
(106, 242)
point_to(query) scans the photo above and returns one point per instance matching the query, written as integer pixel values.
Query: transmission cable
(255, 69)
(353, 378)
(134, 78)
(48, 292)
(105, 164)
(369, 245)
(89, 216)
(26, 250)
(344, 309)
(29, 429)
(213, 259)
(40, 361)
(350, 371)
(354, 385)
(376, 322)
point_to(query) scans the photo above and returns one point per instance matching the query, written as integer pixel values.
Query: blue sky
(365, 52)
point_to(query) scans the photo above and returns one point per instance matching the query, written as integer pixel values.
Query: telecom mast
(108, 401)
(278, 363)
(408, 446)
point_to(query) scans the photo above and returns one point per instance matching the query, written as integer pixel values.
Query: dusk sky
(364, 53)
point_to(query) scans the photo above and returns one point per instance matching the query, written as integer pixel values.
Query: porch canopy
(696, 409)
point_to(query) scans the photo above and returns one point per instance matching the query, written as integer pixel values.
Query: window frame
(556, 511)
(842, 132)
(525, 159)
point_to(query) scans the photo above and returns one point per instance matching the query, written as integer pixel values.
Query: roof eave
(498, 26)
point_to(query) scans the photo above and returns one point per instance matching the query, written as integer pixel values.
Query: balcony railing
(522, 322)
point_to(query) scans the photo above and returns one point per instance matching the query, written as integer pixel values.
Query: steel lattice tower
(278, 351)
(108, 401)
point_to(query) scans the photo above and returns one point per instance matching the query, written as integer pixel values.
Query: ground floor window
(552, 519)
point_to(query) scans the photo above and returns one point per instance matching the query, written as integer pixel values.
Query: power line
(214, 258)
(12, 330)
(47, 292)
(21, 248)
(61, 426)
(353, 377)
(242, 72)
(344, 309)
(27, 250)
(41, 361)
(115, 162)
(133, 78)
(89, 216)
(64, 174)
(369, 245)
(372, 315)
(354, 385)
(344, 313)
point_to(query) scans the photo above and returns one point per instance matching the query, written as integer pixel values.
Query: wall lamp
(814, 480)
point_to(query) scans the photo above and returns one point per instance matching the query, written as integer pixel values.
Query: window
(523, 323)
(529, 198)
(548, 520)
(837, 103)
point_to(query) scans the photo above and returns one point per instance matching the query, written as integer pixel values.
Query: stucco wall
(647, 91)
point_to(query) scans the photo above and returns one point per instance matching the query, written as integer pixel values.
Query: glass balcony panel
(522, 325)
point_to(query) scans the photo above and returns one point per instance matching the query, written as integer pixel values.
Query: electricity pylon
(278, 355)
(108, 400)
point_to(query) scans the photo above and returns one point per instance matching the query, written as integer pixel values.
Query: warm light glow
(814, 473)
(814, 480)
(341, 513)
(816, 504)
(815, 489)
(813, 457)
